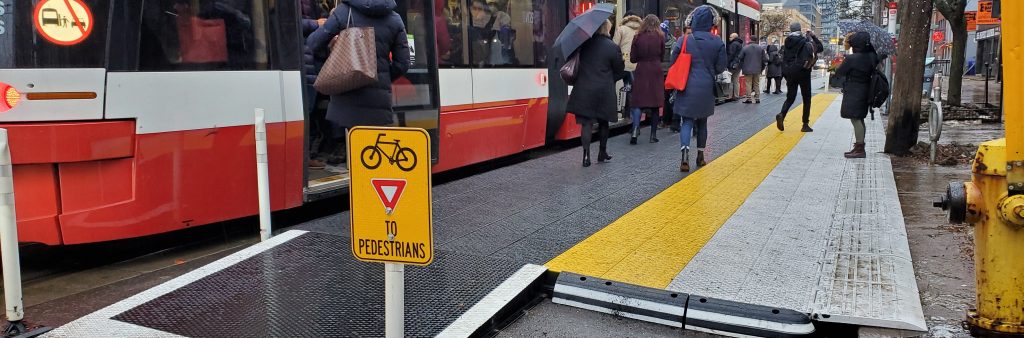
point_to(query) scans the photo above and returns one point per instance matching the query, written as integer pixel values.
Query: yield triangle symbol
(389, 191)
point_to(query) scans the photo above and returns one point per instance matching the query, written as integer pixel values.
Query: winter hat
(794, 27)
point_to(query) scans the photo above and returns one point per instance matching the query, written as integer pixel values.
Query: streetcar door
(414, 97)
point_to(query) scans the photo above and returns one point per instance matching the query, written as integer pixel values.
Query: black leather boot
(586, 157)
(684, 164)
(700, 158)
(602, 155)
(654, 135)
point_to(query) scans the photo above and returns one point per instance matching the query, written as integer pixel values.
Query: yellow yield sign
(390, 203)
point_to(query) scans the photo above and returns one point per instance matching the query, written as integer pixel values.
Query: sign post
(390, 208)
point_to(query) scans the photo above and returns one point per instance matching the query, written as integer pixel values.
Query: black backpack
(794, 64)
(879, 89)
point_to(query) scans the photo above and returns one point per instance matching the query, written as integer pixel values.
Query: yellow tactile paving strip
(650, 245)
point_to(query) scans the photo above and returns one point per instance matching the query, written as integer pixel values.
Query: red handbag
(680, 70)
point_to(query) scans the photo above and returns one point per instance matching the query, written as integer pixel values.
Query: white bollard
(9, 235)
(394, 300)
(263, 174)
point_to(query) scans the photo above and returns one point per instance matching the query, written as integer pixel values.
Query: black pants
(778, 84)
(667, 116)
(588, 132)
(803, 81)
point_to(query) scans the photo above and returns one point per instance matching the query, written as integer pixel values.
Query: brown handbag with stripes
(352, 63)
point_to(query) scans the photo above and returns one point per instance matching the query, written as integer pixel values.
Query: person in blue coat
(695, 104)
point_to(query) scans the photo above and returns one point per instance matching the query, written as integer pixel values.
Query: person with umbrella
(857, 69)
(593, 97)
(695, 104)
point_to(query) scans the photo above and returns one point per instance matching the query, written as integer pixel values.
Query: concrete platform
(821, 234)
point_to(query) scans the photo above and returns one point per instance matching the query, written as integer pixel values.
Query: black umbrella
(880, 37)
(582, 28)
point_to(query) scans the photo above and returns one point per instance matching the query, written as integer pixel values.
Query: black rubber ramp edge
(691, 312)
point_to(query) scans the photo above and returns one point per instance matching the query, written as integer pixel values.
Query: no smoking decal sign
(63, 22)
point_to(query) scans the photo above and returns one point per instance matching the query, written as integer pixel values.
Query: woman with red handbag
(696, 102)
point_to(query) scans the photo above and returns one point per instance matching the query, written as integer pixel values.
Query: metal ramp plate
(822, 234)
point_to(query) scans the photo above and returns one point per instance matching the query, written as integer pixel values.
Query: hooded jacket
(708, 59)
(624, 38)
(856, 71)
(370, 105)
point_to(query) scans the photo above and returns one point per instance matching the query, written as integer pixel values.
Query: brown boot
(851, 150)
(857, 152)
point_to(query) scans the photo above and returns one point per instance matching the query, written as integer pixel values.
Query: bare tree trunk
(953, 11)
(956, 64)
(915, 23)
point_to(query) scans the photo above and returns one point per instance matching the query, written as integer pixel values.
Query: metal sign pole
(262, 174)
(9, 236)
(15, 307)
(394, 300)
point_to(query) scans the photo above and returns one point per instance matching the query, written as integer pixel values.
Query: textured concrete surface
(822, 235)
(649, 251)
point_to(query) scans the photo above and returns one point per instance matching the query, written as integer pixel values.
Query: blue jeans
(634, 114)
(686, 126)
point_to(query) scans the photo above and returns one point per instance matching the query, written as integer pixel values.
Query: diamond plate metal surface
(822, 234)
(311, 287)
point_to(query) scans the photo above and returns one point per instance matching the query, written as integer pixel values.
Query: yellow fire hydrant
(993, 202)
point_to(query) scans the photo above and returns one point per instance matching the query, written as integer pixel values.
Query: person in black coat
(774, 70)
(732, 54)
(593, 96)
(857, 69)
(312, 16)
(797, 61)
(370, 105)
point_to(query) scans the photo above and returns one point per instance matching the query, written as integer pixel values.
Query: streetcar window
(23, 46)
(203, 35)
(494, 33)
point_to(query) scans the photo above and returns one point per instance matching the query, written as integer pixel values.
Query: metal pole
(888, 63)
(262, 174)
(9, 236)
(988, 73)
(394, 300)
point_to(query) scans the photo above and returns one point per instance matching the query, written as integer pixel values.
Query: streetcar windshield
(50, 34)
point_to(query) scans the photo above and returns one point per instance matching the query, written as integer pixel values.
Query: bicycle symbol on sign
(403, 157)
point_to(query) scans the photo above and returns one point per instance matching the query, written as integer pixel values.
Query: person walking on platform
(753, 60)
(774, 69)
(695, 104)
(798, 60)
(735, 47)
(649, 82)
(369, 105)
(593, 95)
(624, 36)
(857, 69)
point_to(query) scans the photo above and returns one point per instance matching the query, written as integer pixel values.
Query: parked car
(820, 64)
